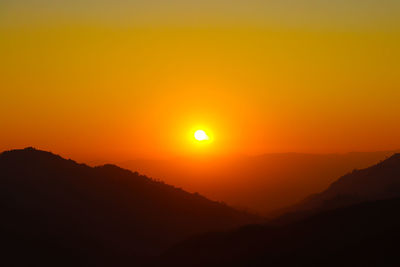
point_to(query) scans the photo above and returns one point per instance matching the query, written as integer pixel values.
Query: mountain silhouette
(355, 222)
(56, 212)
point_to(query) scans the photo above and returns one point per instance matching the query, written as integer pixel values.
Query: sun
(201, 135)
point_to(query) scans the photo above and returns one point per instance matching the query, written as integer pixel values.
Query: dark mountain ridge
(56, 212)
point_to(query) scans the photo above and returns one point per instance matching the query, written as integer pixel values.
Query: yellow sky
(104, 88)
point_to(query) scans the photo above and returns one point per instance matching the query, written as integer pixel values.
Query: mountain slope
(380, 181)
(60, 213)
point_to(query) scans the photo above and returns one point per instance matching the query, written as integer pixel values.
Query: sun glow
(201, 135)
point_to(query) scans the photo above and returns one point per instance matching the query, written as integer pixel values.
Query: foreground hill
(263, 183)
(366, 234)
(355, 222)
(56, 212)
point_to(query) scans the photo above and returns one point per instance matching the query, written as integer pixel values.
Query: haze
(200, 133)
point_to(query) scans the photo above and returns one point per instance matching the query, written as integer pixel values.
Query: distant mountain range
(355, 222)
(263, 184)
(378, 182)
(56, 212)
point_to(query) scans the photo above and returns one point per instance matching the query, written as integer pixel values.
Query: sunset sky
(116, 80)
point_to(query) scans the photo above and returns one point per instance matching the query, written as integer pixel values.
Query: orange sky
(103, 85)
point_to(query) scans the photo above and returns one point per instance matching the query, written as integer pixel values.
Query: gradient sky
(114, 80)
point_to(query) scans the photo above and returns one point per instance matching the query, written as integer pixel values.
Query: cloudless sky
(124, 79)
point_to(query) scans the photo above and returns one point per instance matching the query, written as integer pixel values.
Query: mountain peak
(31, 156)
(27, 151)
